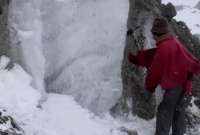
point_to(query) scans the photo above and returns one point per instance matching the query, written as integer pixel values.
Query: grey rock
(198, 5)
(128, 131)
(4, 31)
(12, 127)
(141, 13)
(168, 11)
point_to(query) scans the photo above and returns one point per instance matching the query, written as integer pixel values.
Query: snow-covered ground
(59, 115)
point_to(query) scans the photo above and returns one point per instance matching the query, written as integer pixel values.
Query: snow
(13, 89)
(59, 115)
(191, 3)
(192, 15)
(189, 14)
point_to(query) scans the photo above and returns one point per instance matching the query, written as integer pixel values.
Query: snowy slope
(188, 13)
(16, 93)
(59, 115)
(188, 3)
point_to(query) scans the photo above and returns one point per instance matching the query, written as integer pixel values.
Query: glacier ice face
(26, 34)
(75, 46)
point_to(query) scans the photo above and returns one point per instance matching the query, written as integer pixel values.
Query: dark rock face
(141, 15)
(4, 32)
(12, 128)
(5, 48)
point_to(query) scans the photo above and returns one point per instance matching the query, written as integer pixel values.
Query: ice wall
(82, 43)
(26, 37)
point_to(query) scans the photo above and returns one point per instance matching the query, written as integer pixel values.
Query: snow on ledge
(16, 92)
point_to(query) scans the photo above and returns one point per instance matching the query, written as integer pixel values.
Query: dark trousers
(171, 112)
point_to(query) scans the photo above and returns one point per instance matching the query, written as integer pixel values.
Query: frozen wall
(75, 46)
(26, 30)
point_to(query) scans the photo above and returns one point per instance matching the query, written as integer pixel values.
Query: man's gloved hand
(147, 95)
(132, 58)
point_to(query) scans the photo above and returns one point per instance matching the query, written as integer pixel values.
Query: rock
(197, 35)
(198, 5)
(8, 126)
(140, 16)
(168, 11)
(1, 10)
(4, 32)
(128, 131)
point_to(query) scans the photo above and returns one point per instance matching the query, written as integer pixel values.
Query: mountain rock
(4, 32)
(8, 126)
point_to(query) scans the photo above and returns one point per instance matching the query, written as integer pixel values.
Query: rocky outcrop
(128, 131)
(8, 126)
(5, 48)
(141, 15)
(4, 32)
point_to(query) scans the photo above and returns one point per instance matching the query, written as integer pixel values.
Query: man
(171, 66)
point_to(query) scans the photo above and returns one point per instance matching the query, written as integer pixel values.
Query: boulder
(8, 126)
(128, 131)
(4, 31)
(169, 11)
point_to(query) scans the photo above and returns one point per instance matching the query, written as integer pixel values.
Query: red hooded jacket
(170, 64)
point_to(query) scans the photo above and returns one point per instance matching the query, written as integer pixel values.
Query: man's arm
(143, 58)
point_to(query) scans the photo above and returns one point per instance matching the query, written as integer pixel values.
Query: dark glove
(132, 58)
(146, 95)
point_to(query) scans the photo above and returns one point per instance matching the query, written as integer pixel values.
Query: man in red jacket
(171, 66)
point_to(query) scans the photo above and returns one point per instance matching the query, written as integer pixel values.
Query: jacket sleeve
(155, 71)
(143, 58)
